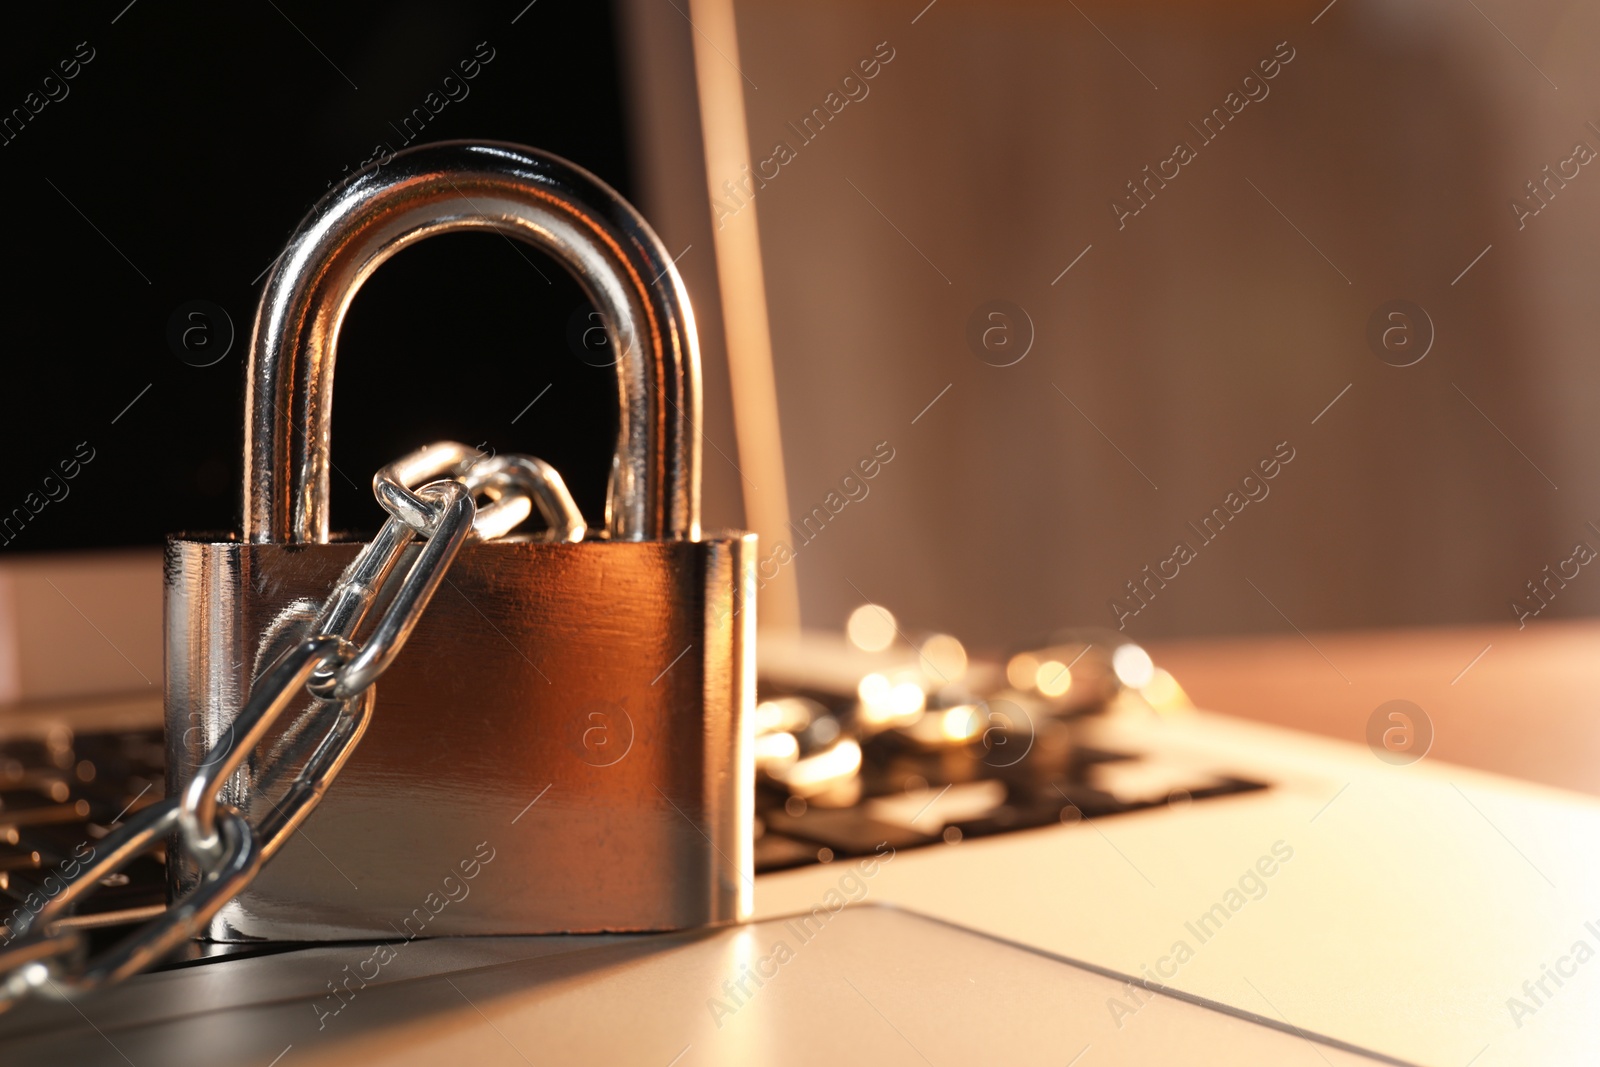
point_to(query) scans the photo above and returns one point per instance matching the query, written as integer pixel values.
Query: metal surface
(523, 194)
(1404, 921)
(835, 985)
(576, 708)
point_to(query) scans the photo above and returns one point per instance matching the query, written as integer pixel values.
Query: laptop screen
(158, 162)
(1177, 318)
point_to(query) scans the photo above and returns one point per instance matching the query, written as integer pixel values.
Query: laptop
(1009, 871)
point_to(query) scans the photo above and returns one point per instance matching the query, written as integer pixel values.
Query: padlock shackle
(533, 197)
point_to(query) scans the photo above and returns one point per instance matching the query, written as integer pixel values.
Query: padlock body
(567, 723)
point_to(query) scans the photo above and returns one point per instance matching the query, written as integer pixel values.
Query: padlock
(561, 747)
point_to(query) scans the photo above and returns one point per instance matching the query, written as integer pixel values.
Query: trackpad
(869, 985)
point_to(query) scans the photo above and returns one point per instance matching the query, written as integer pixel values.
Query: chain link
(47, 954)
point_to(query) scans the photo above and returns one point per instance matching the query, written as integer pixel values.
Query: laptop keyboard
(911, 795)
(60, 793)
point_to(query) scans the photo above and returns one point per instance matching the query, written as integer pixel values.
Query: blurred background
(1177, 342)
(1073, 277)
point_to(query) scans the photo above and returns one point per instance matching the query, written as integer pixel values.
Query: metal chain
(47, 953)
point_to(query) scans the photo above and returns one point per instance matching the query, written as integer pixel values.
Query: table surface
(1518, 702)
